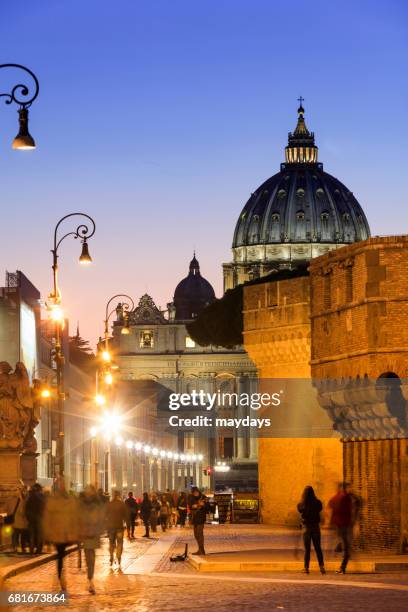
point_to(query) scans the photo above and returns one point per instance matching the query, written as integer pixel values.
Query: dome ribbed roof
(301, 203)
(192, 294)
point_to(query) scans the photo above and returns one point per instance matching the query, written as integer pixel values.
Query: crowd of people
(62, 518)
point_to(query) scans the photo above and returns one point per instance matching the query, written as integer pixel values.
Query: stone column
(138, 476)
(183, 475)
(170, 475)
(253, 447)
(155, 475)
(146, 473)
(253, 434)
(241, 412)
(177, 476)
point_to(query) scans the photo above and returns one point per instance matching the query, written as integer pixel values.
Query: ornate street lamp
(23, 96)
(126, 307)
(106, 374)
(83, 232)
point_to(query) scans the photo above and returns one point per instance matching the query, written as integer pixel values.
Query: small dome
(192, 294)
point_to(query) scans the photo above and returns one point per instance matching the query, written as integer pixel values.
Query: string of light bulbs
(147, 449)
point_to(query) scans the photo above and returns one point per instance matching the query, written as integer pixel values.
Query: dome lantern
(301, 147)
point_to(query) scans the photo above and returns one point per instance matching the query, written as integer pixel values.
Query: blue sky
(159, 118)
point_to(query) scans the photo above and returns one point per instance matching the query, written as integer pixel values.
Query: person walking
(174, 509)
(344, 510)
(145, 513)
(103, 497)
(90, 529)
(182, 509)
(60, 524)
(164, 513)
(20, 526)
(309, 508)
(155, 512)
(199, 508)
(132, 510)
(34, 511)
(116, 515)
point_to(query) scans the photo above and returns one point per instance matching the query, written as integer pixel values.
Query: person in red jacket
(344, 512)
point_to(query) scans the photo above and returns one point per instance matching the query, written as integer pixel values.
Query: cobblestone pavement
(177, 586)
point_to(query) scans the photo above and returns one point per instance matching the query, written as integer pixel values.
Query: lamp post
(126, 306)
(106, 374)
(83, 232)
(21, 95)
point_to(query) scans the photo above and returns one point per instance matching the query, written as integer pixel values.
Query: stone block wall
(377, 470)
(359, 309)
(277, 338)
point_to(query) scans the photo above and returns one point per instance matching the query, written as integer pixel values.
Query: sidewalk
(229, 548)
(259, 548)
(12, 564)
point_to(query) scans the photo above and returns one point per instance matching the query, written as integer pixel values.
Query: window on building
(146, 339)
(272, 294)
(327, 292)
(349, 284)
(188, 441)
(227, 447)
(190, 342)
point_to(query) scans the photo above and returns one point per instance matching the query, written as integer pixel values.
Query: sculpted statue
(119, 312)
(17, 419)
(8, 414)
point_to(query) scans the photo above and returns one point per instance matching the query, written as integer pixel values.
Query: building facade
(158, 350)
(342, 326)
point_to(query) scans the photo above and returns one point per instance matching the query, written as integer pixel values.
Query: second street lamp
(125, 308)
(84, 231)
(105, 376)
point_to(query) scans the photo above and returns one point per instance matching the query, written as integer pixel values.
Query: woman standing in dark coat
(182, 509)
(310, 508)
(145, 510)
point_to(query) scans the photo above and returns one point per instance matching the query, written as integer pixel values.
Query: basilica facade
(158, 357)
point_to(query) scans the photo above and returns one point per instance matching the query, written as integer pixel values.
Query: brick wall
(377, 470)
(359, 313)
(277, 338)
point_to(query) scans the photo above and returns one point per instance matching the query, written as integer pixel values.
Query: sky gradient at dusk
(159, 119)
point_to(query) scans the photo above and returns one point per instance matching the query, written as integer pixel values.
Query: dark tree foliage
(220, 323)
(80, 353)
